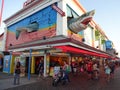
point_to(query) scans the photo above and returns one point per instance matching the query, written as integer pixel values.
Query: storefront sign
(108, 44)
(58, 10)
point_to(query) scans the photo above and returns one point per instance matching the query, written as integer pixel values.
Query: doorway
(37, 60)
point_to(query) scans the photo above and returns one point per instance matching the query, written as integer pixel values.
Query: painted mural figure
(29, 28)
(6, 64)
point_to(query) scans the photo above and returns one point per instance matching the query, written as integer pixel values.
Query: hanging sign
(58, 10)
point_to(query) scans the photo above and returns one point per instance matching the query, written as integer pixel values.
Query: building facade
(52, 30)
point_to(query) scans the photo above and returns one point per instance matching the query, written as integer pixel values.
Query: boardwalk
(79, 82)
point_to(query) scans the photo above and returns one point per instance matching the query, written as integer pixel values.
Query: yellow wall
(33, 65)
(12, 65)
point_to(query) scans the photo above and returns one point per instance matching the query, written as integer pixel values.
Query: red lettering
(58, 10)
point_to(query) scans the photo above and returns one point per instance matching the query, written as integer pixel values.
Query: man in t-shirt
(90, 69)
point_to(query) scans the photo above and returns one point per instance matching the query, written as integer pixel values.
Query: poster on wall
(6, 66)
(22, 62)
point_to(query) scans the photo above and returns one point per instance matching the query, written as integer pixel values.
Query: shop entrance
(26, 64)
(57, 61)
(37, 60)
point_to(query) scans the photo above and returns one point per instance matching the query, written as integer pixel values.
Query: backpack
(17, 71)
(68, 68)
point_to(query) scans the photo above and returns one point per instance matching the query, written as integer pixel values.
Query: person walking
(90, 69)
(112, 67)
(17, 74)
(95, 70)
(40, 68)
(107, 72)
(65, 70)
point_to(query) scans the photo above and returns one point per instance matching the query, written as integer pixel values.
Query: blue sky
(107, 15)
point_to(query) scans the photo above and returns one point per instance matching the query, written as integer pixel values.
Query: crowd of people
(92, 68)
(61, 73)
(89, 66)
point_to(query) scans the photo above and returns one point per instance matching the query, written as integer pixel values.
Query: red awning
(71, 49)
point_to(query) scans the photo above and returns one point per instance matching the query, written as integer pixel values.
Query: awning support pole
(29, 64)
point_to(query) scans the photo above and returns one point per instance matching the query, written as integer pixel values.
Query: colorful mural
(34, 27)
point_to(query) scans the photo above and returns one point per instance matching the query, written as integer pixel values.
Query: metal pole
(2, 5)
(29, 64)
(10, 62)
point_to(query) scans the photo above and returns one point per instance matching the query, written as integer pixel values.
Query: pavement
(6, 81)
(77, 82)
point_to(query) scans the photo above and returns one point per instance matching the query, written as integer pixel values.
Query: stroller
(60, 77)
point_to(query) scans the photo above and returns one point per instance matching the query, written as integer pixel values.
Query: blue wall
(45, 18)
(6, 65)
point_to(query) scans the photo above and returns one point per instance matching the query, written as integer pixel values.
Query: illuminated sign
(58, 10)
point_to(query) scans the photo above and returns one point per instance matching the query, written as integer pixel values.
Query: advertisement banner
(6, 66)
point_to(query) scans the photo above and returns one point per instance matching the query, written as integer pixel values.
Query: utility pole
(1, 11)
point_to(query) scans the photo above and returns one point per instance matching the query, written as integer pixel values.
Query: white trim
(45, 65)
(61, 28)
(50, 46)
(37, 47)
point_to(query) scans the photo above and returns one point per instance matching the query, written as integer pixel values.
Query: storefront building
(49, 30)
(1, 53)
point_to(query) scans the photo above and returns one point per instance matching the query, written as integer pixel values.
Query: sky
(107, 15)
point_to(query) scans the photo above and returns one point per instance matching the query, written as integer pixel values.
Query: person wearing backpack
(66, 71)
